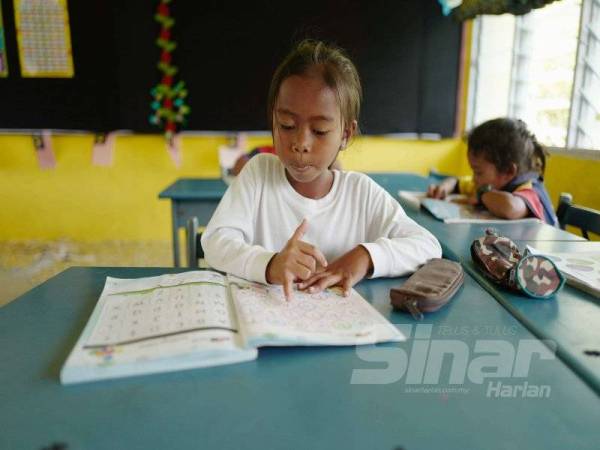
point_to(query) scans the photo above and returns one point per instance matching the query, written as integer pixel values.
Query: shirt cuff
(379, 258)
(256, 269)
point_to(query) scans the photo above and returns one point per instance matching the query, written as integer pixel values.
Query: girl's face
(308, 133)
(484, 172)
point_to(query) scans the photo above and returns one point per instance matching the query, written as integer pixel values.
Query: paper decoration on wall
(169, 109)
(174, 149)
(468, 9)
(44, 38)
(42, 142)
(3, 60)
(103, 150)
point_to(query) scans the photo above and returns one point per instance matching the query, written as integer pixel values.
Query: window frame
(578, 99)
(583, 68)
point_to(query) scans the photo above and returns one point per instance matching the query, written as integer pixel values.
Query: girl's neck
(316, 189)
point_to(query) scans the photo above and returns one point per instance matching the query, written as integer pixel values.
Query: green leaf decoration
(175, 114)
(166, 22)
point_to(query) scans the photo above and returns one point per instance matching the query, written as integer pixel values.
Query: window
(584, 125)
(544, 68)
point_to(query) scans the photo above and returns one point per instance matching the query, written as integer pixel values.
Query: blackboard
(406, 52)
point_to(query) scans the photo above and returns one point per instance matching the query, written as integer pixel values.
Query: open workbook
(202, 318)
(453, 208)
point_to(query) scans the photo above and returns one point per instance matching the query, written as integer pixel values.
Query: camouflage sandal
(499, 259)
(538, 276)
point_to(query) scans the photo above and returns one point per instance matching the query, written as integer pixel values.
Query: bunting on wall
(103, 149)
(42, 143)
(169, 109)
(468, 9)
(3, 61)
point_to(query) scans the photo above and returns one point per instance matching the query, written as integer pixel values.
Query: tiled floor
(25, 264)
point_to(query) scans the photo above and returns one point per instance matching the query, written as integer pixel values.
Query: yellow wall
(577, 176)
(80, 201)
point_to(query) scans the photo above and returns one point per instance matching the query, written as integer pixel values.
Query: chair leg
(199, 249)
(192, 242)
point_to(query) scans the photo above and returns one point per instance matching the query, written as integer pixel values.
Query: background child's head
(333, 66)
(501, 149)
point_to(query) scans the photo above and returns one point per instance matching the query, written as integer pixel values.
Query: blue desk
(289, 397)
(192, 197)
(570, 320)
(456, 238)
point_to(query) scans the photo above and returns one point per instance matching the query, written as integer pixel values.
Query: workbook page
(327, 318)
(158, 324)
(149, 308)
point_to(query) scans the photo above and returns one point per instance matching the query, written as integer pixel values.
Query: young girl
(290, 218)
(508, 166)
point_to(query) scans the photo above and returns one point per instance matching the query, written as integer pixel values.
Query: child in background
(508, 166)
(289, 218)
(242, 160)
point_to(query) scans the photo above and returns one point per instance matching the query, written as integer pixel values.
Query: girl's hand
(298, 260)
(443, 189)
(345, 271)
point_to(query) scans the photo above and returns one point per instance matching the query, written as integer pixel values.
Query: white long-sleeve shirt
(261, 210)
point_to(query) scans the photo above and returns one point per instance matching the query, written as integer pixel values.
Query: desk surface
(195, 189)
(288, 397)
(570, 319)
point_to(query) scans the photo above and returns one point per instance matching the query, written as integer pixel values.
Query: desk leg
(175, 236)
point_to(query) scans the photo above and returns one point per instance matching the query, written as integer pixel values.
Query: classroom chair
(586, 219)
(194, 246)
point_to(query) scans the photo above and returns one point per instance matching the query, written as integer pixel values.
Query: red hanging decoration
(168, 106)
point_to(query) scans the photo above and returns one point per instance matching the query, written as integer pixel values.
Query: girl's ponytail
(532, 149)
(538, 158)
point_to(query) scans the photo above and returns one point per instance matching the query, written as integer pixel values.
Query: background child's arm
(447, 186)
(505, 205)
